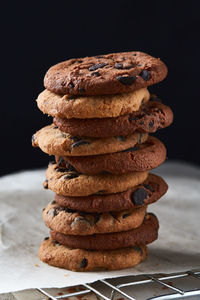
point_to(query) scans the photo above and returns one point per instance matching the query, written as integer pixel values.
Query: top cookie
(105, 74)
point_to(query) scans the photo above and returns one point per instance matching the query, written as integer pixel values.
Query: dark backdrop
(38, 34)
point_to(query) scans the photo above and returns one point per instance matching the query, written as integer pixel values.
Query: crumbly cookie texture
(74, 184)
(81, 107)
(105, 74)
(81, 260)
(150, 117)
(67, 221)
(142, 157)
(54, 142)
(142, 235)
(151, 190)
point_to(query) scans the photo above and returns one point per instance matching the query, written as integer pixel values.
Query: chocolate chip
(126, 80)
(45, 184)
(55, 127)
(57, 243)
(121, 138)
(79, 143)
(141, 123)
(69, 210)
(60, 161)
(135, 148)
(97, 218)
(46, 238)
(80, 219)
(53, 202)
(84, 263)
(71, 85)
(56, 211)
(79, 61)
(81, 90)
(151, 123)
(52, 162)
(61, 170)
(118, 66)
(148, 187)
(139, 249)
(125, 216)
(145, 75)
(97, 66)
(113, 215)
(138, 196)
(70, 168)
(43, 209)
(95, 74)
(71, 176)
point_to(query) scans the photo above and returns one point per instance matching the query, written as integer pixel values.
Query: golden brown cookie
(67, 221)
(74, 184)
(81, 260)
(145, 193)
(142, 157)
(81, 107)
(105, 74)
(54, 142)
(150, 117)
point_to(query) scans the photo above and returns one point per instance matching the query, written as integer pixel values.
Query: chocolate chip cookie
(66, 183)
(151, 190)
(105, 74)
(141, 157)
(142, 235)
(150, 117)
(81, 107)
(54, 254)
(54, 142)
(71, 222)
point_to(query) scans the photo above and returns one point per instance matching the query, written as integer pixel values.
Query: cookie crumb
(36, 265)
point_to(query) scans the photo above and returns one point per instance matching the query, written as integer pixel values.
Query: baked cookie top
(100, 106)
(67, 221)
(105, 74)
(70, 183)
(55, 142)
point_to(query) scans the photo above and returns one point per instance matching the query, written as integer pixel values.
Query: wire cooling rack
(133, 282)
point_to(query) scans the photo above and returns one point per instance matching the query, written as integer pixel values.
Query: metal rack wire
(176, 293)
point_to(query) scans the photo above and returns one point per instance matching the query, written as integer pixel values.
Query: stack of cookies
(102, 116)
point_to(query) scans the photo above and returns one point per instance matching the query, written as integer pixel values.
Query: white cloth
(21, 231)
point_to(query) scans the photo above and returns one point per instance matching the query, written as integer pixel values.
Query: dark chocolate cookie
(142, 235)
(142, 157)
(146, 193)
(149, 118)
(106, 74)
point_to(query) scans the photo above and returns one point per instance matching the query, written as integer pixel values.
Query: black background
(38, 34)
